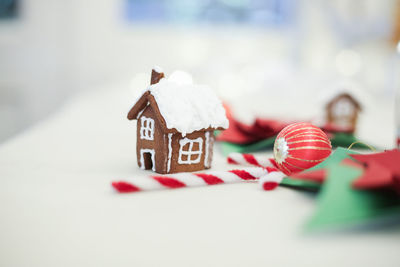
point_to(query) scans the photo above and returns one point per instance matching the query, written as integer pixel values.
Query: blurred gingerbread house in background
(342, 113)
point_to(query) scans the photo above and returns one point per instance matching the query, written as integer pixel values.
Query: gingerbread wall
(166, 161)
(177, 167)
(158, 142)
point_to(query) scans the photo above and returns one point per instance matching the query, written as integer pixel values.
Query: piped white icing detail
(146, 128)
(153, 162)
(192, 156)
(169, 152)
(206, 159)
(281, 150)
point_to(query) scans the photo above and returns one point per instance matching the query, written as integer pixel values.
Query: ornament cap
(281, 150)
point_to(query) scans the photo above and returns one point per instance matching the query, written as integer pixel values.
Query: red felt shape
(241, 133)
(381, 170)
(235, 134)
(270, 127)
(261, 128)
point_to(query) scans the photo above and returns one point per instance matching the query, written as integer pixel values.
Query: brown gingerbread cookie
(176, 121)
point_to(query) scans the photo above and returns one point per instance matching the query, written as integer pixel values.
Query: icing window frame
(192, 156)
(146, 128)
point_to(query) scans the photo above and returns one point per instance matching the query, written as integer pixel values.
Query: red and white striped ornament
(179, 180)
(300, 146)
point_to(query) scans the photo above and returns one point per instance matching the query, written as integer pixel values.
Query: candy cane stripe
(249, 159)
(243, 174)
(209, 178)
(271, 180)
(228, 177)
(147, 183)
(124, 187)
(256, 172)
(190, 179)
(232, 161)
(272, 169)
(168, 182)
(269, 186)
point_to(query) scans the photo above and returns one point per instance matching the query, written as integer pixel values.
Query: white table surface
(57, 207)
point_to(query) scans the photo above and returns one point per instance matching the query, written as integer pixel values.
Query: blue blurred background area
(268, 13)
(8, 9)
(275, 49)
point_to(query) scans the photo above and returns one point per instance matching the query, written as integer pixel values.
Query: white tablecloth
(57, 207)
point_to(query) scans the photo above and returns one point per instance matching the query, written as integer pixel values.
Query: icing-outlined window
(146, 128)
(190, 150)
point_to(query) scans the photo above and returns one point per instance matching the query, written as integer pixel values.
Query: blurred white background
(51, 50)
(70, 67)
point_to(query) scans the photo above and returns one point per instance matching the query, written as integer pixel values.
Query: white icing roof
(188, 107)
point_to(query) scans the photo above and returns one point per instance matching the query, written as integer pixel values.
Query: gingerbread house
(342, 112)
(176, 121)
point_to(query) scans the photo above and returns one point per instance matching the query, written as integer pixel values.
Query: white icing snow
(188, 107)
(180, 77)
(158, 69)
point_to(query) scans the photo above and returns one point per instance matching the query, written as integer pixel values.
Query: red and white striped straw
(250, 160)
(179, 180)
(268, 181)
(271, 180)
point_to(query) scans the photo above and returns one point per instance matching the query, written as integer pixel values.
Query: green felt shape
(345, 140)
(337, 156)
(228, 148)
(339, 204)
(300, 184)
(338, 140)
